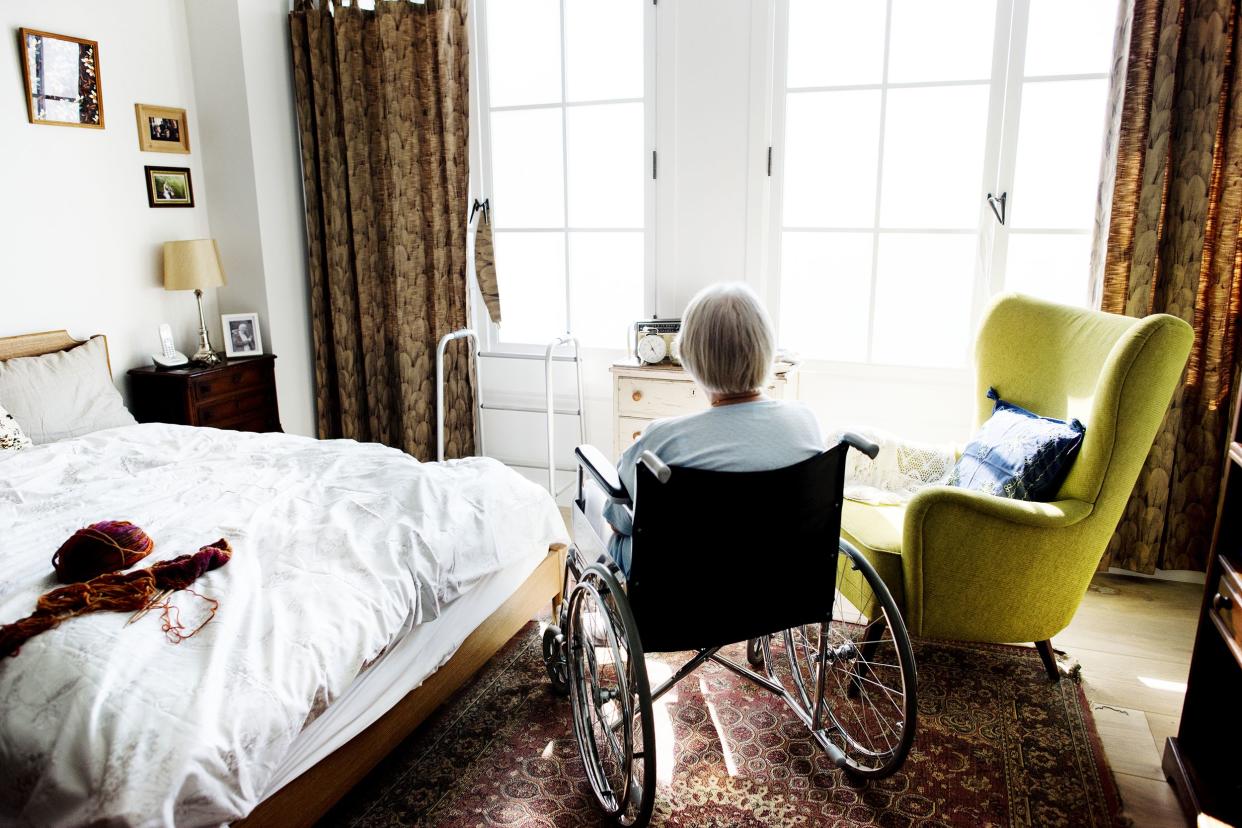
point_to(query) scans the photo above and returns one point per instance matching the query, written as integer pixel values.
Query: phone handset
(169, 357)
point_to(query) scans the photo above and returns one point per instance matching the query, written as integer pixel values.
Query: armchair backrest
(1115, 373)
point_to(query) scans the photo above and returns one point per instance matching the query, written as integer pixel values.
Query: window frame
(1010, 33)
(481, 172)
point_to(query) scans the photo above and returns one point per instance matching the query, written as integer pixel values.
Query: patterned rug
(997, 744)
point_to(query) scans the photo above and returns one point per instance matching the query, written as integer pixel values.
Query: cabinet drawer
(238, 378)
(227, 411)
(628, 431)
(649, 399)
(1227, 604)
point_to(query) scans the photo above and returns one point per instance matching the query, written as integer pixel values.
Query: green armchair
(970, 566)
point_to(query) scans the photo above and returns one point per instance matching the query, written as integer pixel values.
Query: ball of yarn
(102, 547)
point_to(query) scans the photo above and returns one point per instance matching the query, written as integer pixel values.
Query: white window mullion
(569, 281)
(879, 182)
(1007, 143)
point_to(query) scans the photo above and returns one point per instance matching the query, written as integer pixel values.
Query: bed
(364, 589)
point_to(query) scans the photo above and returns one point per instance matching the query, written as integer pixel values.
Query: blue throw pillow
(1017, 454)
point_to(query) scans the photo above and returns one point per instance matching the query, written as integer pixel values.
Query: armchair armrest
(1056, 514)
(593, 462)
(978, 567)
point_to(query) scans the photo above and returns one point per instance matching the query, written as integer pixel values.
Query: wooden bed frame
(304, 800)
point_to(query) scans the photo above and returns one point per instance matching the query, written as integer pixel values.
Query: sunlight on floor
(657, 674)
(1178, 687)
(730, 765)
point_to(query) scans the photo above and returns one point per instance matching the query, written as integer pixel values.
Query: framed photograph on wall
(162, 129)
(169, 187)
(63, 86)
(241, 335)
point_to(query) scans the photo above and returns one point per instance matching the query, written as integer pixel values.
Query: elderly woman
(727, 345)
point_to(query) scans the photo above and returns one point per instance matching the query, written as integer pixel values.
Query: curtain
(485, 258)
(1167, 242)
(383, 100)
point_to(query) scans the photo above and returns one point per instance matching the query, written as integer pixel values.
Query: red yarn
(106, 546)
(118, 591)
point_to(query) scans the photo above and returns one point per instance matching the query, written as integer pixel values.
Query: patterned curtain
(383, 101)
(1167, 241)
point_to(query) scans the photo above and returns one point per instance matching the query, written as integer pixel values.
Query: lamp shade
(192, 265)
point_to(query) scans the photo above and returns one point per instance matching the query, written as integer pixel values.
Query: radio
(652, 341)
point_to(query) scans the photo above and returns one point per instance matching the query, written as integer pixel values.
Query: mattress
(403, 667)
(342, 551)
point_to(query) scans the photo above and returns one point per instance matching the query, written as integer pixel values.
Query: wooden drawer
(628, 431)
(649, 399)
(224, 413)
(216, 384)
(1227, 607)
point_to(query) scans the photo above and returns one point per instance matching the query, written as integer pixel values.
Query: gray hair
(726, 340)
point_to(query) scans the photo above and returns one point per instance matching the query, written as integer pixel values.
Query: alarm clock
(651, 348)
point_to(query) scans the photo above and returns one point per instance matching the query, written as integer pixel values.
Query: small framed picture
(169, 187)
(63, 86)
(162, 129)
(241, 335)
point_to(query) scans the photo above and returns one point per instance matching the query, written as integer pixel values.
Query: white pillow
(63, 395)
(12, 437)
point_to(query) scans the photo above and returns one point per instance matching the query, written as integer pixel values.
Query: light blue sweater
(753, 436)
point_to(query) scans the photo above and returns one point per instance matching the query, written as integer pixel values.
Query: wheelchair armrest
(593, 462)
(860, 443)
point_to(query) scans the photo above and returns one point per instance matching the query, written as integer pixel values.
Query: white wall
(82, 250)
(243, 83)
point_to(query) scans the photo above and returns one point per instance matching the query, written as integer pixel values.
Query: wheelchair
(720, 558)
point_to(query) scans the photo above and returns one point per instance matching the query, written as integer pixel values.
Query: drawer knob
(635, 435)
(1222, 603)
(636, 396)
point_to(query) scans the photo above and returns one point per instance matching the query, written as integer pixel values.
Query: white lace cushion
(12, 437)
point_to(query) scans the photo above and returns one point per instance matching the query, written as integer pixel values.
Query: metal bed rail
(549, 410)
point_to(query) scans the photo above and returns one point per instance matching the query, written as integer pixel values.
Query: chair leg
(1049, 658)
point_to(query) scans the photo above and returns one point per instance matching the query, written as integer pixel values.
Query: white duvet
(336, 544)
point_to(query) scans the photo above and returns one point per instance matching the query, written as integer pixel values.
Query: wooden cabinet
(1202, 761)
(239, 395)
(642, 393)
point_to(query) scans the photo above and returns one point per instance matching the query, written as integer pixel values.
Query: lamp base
(205, 355)
(206, 358)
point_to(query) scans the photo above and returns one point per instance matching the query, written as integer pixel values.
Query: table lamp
(194, 264)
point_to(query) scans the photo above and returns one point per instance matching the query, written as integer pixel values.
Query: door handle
(993, 201)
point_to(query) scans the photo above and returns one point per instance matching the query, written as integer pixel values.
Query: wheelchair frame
(600, 582)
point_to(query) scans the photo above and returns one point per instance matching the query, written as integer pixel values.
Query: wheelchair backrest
(720, 557)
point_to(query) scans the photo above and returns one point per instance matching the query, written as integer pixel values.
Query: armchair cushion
(876, 531)
(1018, 454)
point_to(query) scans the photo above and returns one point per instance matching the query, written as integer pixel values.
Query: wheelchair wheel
(611, 698)
(868, 704)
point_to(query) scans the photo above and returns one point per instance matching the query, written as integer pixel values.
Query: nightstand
(239, 394)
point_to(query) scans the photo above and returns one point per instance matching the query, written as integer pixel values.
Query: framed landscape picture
(63, 86)
(162, 129)
(169, 187)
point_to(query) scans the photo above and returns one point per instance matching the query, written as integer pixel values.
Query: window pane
(831, 145)
(1067, 37)
(606, 272)
(924, 295)
(933, 175)
(524, 52)
(941, 40)
(603, 49)
(1054, 267)
(606, 165)
(835, 42)
(826, 294)
(527, 174)
(1060, 139)
(530, 269)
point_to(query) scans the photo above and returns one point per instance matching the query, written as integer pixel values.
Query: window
(893, 122)
(566, 164)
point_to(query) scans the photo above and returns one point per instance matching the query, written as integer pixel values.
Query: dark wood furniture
(239, 394)
(1202, 760)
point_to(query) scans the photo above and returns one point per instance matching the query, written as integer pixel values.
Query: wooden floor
(1133, 637)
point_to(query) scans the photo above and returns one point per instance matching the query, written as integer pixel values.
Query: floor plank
(1127, 741)
(1150, 804)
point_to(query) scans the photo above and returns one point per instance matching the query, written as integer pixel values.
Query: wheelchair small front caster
(754, 652)
(554, 660)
